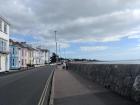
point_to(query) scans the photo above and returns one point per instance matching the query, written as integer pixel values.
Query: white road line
(52, 91)
(42, 98)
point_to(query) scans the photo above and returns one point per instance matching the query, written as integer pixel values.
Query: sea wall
(123, 79)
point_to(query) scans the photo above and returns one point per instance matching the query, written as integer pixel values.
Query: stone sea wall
(123, 79)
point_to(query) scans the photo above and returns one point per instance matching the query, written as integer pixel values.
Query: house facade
(37, 57)
(40, 56)
(15, 50)
(30, 56)
(21, 55)
(47, 56)
(4, 45)
(44, 56)
(27, 55)
(24, 55)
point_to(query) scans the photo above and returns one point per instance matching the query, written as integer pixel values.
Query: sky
(92, 29)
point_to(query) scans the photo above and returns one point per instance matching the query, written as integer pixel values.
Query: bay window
(3, 45)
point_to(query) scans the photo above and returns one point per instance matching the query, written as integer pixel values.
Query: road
(24, 88)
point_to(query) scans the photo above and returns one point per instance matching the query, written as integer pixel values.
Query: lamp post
(56, 44)
(55, 41)
(59, 51)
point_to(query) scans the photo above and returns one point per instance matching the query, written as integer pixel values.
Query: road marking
(42, 98)
(52, 91)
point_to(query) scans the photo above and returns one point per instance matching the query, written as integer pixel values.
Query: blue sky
(90, 29)
(124, 49)
(23, 38)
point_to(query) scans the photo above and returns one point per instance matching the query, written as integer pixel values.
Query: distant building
(44, 56)
(41, 56)
(37, 56)
(4, 45)
(34, 56)
(31, 56)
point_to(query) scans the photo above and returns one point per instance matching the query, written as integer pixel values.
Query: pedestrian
(64, 65)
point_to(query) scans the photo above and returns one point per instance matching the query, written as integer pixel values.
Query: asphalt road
(24, 88)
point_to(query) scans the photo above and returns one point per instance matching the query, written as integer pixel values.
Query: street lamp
(56, 45)
(59, 50)
(55, 41)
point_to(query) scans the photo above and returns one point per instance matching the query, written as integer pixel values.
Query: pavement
(24, 88)
(71, 89)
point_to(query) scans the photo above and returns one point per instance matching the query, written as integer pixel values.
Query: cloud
(75, 21)
(93, 48)
(134, 36)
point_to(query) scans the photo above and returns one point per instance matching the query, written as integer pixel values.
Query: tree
(54, 58)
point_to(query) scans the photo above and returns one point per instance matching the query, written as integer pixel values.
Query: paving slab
(71, 89)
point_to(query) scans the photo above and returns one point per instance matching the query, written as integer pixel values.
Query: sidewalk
(71, 89)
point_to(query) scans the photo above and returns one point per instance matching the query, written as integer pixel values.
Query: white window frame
(5, 28)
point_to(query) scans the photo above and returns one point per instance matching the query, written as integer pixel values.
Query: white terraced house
(4, 45)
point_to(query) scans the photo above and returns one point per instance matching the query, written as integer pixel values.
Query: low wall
(120, 78)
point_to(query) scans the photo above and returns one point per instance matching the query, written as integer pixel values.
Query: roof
(5, 20)
(20, 44)
(12, 42)
(25, 45)
(46, 50)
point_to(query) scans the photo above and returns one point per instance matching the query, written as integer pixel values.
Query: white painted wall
(19, 58)
(47, 57)
(3, 63)
(23, 56)
(40, 57)
(3, 35)
(4, 58)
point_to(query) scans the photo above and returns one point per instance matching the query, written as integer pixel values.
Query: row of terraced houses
(16, 55)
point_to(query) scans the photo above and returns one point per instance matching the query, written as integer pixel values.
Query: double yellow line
(43, 96)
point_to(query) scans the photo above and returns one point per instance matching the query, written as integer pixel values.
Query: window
(0, 45)
(10, 62)
(0, 25)
(3, 45)
(5, 28)
(22, 52)
(22, 62)
(13, 50)
(25, 53)
(13, 62)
